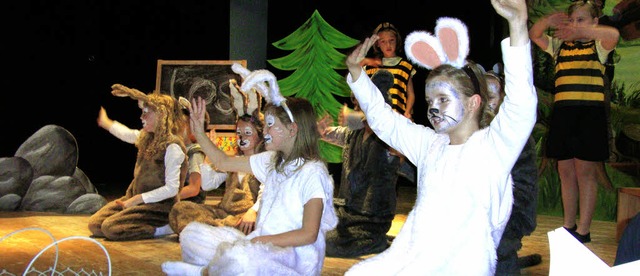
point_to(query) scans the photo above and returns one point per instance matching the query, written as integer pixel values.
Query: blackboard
(208, 79)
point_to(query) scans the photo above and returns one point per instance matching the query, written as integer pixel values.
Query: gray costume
(522, 221)
(366, 201)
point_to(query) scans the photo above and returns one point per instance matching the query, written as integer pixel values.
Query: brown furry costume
(238, 197)
(139, 222)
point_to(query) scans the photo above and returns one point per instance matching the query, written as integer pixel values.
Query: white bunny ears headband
(450, 45)
(259, 79)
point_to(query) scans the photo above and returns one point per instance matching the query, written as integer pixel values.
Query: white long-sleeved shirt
(464, 196)
(211, 179)
(173, 158)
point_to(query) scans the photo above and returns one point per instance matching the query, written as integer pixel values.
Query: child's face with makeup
(446, 108)
(276, 133)
(247, 135)
(148, 118)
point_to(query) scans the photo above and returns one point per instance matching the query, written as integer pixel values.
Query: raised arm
(117, 129)
(607, 35)
(512, 126)
(515, 12)
(218, 158)
(103, 119)
(537, 33)
(331, 134)
(358, 55)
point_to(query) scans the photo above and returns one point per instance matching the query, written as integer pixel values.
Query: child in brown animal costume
(238, 206)
(159, 173)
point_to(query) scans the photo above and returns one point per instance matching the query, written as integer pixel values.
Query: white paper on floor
(570, 257)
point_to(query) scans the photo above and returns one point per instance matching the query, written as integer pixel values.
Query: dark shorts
(578, 132)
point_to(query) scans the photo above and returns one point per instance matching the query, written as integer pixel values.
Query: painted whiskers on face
(276, 134)
(246, 135)
(269, 120)
(446, 109)
(243, 136)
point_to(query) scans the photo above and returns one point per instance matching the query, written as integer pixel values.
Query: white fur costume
(227, 251)
(464, 195)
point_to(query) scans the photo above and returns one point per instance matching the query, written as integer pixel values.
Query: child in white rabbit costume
(296, 205)
(464, 195)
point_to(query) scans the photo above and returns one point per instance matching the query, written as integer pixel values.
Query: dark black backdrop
(61, 57)
(358, 19)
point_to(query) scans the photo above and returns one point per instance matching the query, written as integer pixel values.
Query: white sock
(182, 268)
(163, 231)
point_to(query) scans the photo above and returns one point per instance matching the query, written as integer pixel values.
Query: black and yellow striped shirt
(579, 78)
(402, 70)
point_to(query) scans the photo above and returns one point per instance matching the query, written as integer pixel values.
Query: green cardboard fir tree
(314, 61)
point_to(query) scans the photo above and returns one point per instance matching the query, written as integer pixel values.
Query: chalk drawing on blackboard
(209, 79)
